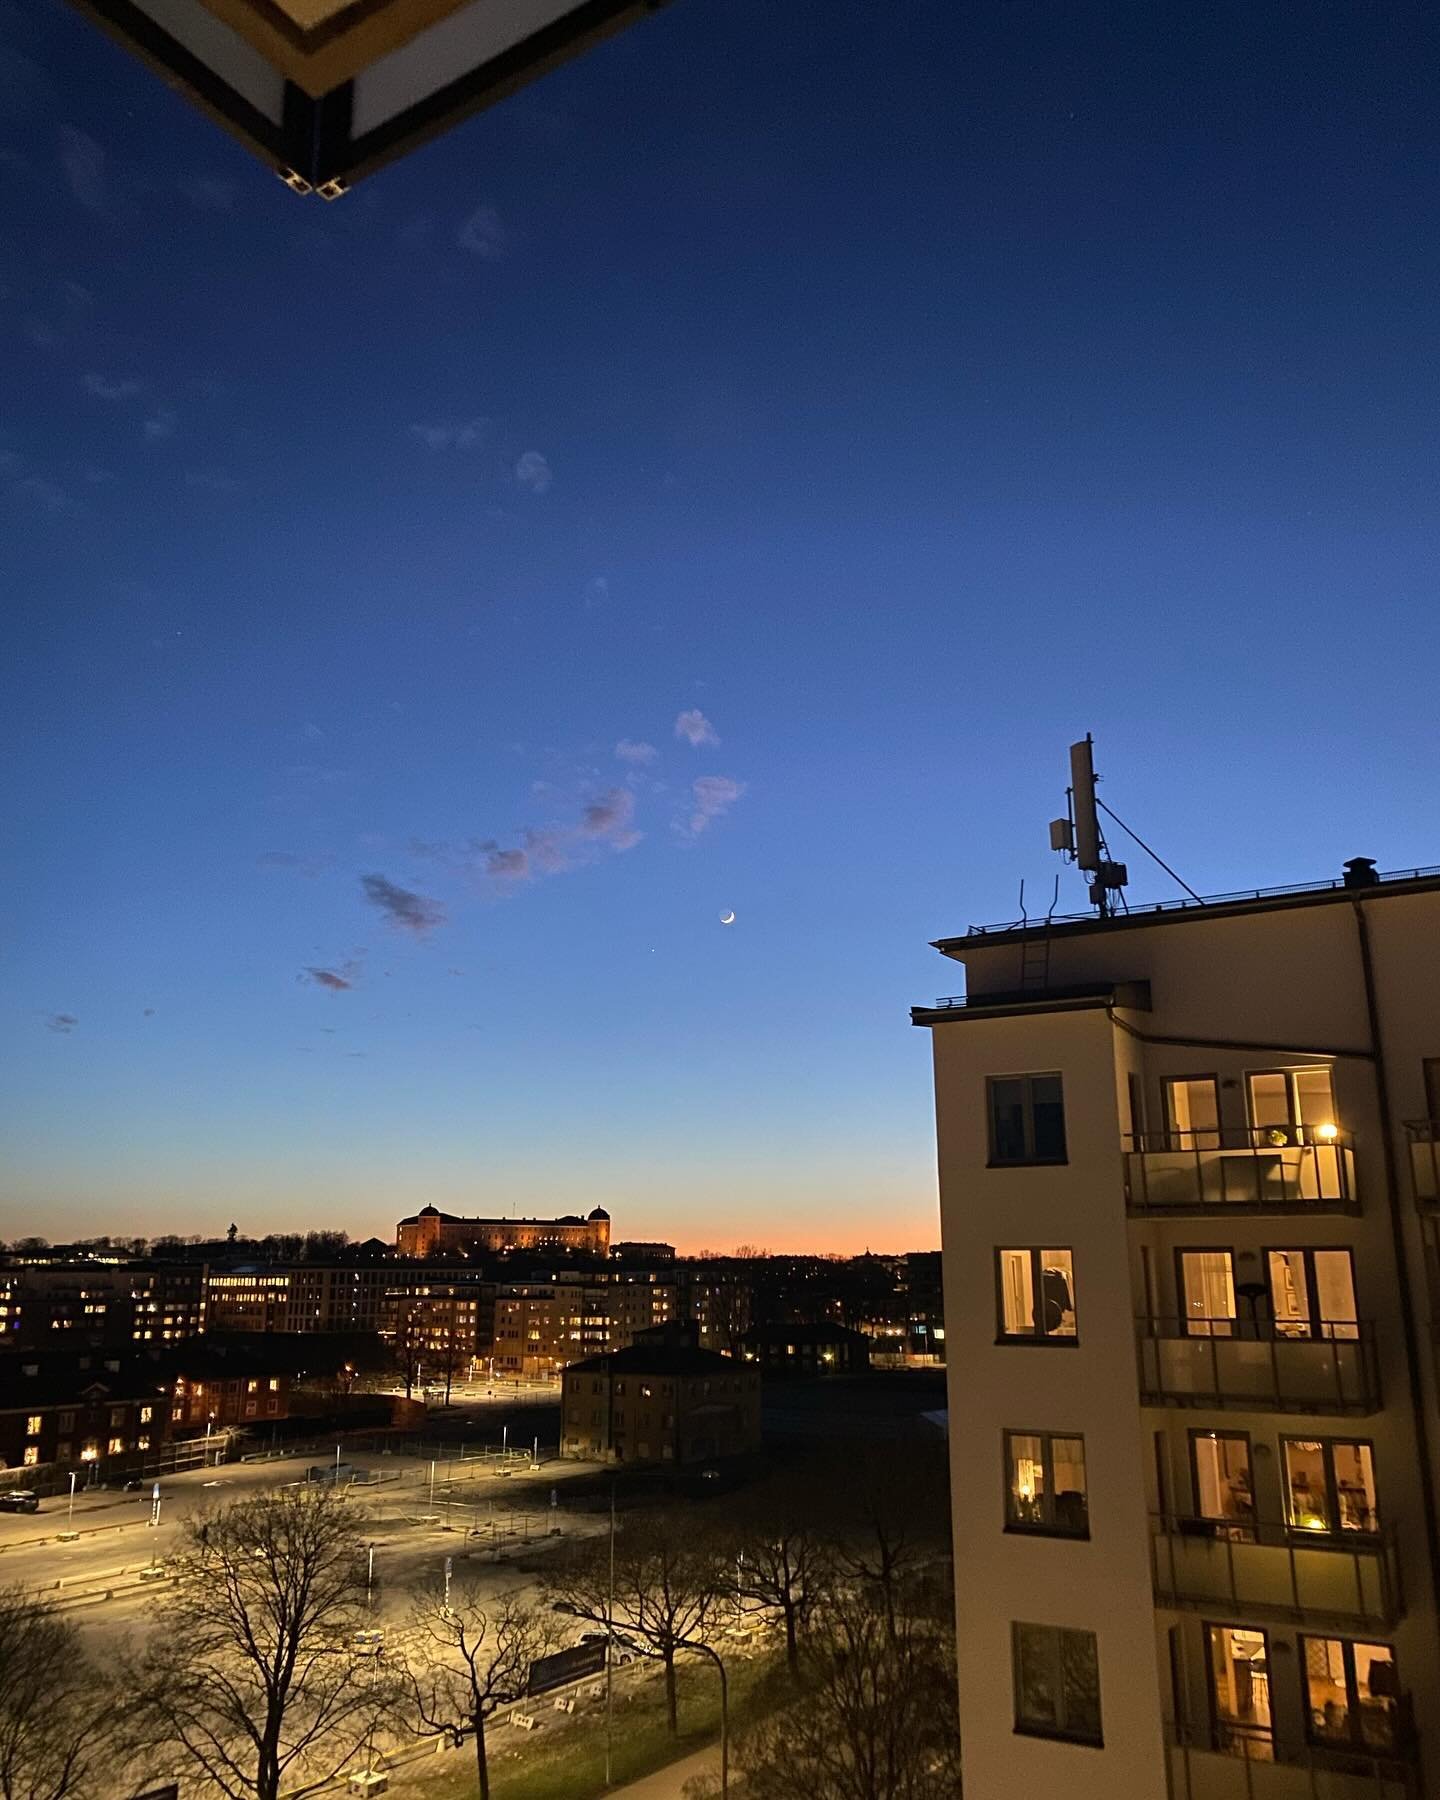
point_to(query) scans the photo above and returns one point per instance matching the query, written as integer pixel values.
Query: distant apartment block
(430, 1232)
(89, 1302)
(1189, 1199)
(662, 1400)
(540, 1325)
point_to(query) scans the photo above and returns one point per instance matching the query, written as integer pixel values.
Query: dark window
(1027, 1119)
(1035, 1292)
(1057, 1683)
(1045, 1483)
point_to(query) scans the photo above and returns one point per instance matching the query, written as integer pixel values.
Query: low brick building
(68, 1408)
(661, 1401)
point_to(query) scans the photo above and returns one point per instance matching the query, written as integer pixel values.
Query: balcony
(1252, 1766)
(1424, 1136)
(1342, 1579)
(1257, 1368)
(1311, 1168)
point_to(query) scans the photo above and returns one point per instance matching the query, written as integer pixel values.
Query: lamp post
(70, 1516)
(714, 1655)
(369, 1576)
(610, 1643)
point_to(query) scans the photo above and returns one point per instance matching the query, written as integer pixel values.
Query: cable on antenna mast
(1178, 880)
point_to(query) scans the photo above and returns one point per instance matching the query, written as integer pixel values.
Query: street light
(714, 1655)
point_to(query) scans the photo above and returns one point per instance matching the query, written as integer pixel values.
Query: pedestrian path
(669, 1783)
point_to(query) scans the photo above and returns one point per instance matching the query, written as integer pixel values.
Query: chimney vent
(1360, 872)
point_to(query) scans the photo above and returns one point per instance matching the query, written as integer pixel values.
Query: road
(415, 1514)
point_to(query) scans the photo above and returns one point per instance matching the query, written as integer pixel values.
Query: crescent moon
(727, 918)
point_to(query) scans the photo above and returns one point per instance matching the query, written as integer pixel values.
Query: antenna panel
(1087, 823)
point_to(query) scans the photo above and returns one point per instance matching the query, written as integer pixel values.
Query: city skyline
(683, 492)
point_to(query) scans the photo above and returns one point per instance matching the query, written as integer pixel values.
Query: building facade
(542, 1325)
(660, 1402)
(90, 1302)
(431, 1232)
(1193, 1406)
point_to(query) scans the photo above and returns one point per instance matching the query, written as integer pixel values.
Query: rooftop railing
(1193, 904)
(1344, 1578)
(1259, 1169)
(1233, 1762)
(1256, 1365)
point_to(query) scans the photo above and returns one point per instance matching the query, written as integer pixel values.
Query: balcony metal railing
(1424, 1136)
(1235, 1763)
(1345, 1579)
(1296, 1168)
(1251, 1364)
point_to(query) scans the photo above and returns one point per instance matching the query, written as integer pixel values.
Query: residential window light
(1045, 1483)
(1035, 1292)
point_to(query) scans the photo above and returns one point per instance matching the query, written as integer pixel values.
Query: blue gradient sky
(905, 394)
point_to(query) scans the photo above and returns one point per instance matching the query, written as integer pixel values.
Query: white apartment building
(1189, 1184)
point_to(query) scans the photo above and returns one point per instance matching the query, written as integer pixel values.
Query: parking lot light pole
(70, 1516)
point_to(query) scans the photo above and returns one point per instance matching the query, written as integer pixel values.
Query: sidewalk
(669, 1783)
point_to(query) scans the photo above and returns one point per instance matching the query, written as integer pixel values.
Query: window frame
(1294, 1127)
(1229, 1730)
(1048, 1527)
(1057, 1733)
(1192, 1322)
(1336, 1532)
(1240, 1531)
(1037, 1334)
(1315, 1329)
(1030, 1160)
(1354, 1738)
(1174, 1132)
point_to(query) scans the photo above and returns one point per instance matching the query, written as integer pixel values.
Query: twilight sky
(726, 476)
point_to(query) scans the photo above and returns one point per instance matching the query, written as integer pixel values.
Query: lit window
(1351, 1693)
(1027, 1119)
(1312, 1293)
(1045, 1483)
(117, 1445)
(1036, 1291)
(1207, 1292)
(1057, 1683)
(32, 1455)
(147, 1413)
(1329, 1485)
(32, 1425)
(142, 1442)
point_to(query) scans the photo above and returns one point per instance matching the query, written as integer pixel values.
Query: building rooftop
(1371, 885)
(656, 1359)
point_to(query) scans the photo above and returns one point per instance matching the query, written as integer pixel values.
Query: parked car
(19, 1500)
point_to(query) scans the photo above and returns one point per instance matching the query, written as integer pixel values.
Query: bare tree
(668, 1583)
(255, 1672)
(778, 1560)
(55, 1707)
(879, 1720)
(469, 1658)
(890, 1516)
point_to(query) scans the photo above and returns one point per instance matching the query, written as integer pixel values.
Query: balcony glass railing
(1257, 1169)
(1234, 1764)
(1424, 1136)
(1251, 1365)
(1345, 1579)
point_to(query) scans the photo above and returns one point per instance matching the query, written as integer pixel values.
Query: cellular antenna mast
(1078, 836)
